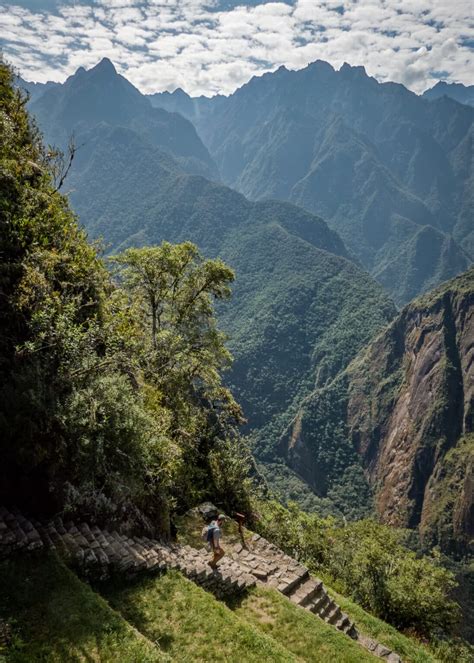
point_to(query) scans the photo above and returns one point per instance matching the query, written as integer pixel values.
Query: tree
(174, 287)
(73, 419)
(52, 287)
(111, 399)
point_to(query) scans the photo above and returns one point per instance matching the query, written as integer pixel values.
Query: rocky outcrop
(406, 407)
(411, 398)
(5, 635)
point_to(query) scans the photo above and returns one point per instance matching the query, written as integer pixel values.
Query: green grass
(302, 633)
(291, 626)
(190, 624)
(57, 618)
(408, 648)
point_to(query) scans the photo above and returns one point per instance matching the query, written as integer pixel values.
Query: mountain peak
(320, 65)
(104, 66)
(347, 68)
(445, 84)
(179, 92)
(463, 94)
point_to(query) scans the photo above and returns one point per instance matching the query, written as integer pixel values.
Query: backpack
(207, 533)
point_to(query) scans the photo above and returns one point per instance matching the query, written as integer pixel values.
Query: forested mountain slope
(300, 309)
(377, 162)
(406, 403)
(114, 415)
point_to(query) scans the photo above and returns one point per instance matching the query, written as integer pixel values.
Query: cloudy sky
(209, 46)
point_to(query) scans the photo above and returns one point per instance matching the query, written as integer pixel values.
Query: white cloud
(194, 44)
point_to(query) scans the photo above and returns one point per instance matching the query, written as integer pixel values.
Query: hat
(221, 516)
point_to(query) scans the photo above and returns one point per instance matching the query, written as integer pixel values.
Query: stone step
(352, 632)
(327, 609)
(319, 601)
(289, 584)
(306, 592)
(334, 616)
(343, 622)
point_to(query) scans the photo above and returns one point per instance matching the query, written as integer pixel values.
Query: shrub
(369, 562)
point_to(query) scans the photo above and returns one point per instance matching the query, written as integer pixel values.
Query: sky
(214, 46)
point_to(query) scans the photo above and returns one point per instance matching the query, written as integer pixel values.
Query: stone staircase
(271, 567)
(99, 554)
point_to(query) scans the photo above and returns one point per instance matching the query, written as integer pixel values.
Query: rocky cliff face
(408, 410)
(411, 402)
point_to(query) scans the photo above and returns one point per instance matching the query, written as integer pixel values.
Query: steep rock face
(405, 407)
(448, 507)
(410, 402)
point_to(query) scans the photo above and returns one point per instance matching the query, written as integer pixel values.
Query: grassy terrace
(190, 624)
(57, 618)
(302, 633)
(411, 650)
(305, 635)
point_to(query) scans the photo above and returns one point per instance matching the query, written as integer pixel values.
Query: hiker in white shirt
(215, 540)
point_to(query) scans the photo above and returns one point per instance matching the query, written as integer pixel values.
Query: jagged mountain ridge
(464, 94)
(101, 95)
(389, 171)
(406, 403)
(375, 160)
(35, 90)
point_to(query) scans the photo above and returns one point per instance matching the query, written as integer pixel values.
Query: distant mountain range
(457, 91)
(390, 171)
(101, 95)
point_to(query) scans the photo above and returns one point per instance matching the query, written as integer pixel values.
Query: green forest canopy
(111, 398)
